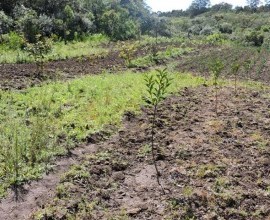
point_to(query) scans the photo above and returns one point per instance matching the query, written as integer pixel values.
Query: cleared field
(42, 122)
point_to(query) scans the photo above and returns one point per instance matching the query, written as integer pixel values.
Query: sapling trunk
(235, 69)
(153, 147)
(216, 100)
(16, 168)
(235, 84)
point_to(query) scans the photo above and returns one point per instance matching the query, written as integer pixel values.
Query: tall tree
(198, 7)
(8, 5)
(200, 4)
(253, 3)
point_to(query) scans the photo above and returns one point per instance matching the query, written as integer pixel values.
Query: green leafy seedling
(154, 53)
(216, 66)
(157, 88)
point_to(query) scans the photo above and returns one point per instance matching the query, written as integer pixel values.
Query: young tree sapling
(216, 66)
(235, 69)
(38, 50)
(157, 86)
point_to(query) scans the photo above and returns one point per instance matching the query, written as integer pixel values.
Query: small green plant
(127, 52)
(262, 63)
(215, 39)
(216, 66)
(235, 69)
(144, 151)
(157, 86)
(247, 66)
(38, 50)
(154, 53)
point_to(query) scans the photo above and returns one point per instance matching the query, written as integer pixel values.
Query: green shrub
(195, 29)
(127, 52)
(215, 38)
(118, 25)
(38, 51)
(207, 30)
(15, 41)
(255, 38)
(265, 28)
(5, 23)
(226, 28)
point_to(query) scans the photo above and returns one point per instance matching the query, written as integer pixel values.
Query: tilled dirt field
(212, 167)
(254, 65)
(20, 76)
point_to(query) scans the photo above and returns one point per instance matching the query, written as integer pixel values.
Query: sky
(168, 5)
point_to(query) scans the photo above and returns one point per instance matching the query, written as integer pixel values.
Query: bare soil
(20, 76)
(197, 62)
(212, 167)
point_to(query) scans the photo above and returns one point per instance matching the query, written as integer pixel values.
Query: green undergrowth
(169, 53)
(92, 45)
(41, 122)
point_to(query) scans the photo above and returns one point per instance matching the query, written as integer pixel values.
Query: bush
(215, 38)
(44, 25)
(38, 51)
(195, 29)
(164, 28)
(207, 30)
(226, 28)
(118, 25)
(255, 38)
(15, 41)
(26, 22)
(265, 28)
(5, 23)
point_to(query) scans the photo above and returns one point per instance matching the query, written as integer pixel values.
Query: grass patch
(171, 52)
(89, 47)
(41, 122)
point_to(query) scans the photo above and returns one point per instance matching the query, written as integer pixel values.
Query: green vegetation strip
(42, 122)
(91, 46)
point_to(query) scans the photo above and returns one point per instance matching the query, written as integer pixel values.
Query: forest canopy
(70, 19)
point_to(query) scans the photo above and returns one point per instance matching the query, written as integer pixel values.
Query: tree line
(70, 19)
(200, 6)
